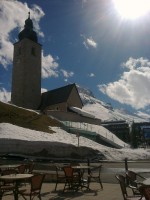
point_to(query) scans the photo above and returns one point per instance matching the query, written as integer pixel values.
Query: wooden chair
(34, 190)
(72, 182)
(7, 187)
(7, 190)
(80, 172)
(60, 176)
(29, 168)
(21, 169)
(9, 171)
(145, 191)
(134, 180)
(95, 174)
(122, 181)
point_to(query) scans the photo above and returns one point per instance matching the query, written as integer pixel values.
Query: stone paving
(110, 192)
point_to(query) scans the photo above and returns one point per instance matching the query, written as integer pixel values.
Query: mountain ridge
(105, 111)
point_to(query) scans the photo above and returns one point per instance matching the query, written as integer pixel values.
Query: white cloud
(5, 96)
(49, 66)
(9, 22)
(13, 15)
(89, 42)
(67, 74)
(133, 86)
(91, 75)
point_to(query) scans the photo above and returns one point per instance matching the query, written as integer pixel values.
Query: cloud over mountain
(133, 86)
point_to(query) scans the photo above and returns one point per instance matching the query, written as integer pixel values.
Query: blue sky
(87, 42)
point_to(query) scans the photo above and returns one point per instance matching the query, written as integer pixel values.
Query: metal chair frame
(122, 181)
(134, 181)
(95, 176)
(145, 191)
(36, 182)
(72, 181)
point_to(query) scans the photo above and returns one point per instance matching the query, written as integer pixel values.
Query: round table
(16, 178)
(81, 167)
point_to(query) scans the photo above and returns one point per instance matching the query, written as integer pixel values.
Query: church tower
(26, 73)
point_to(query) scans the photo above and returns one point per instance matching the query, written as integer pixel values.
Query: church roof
(28, 31)
(56, 96)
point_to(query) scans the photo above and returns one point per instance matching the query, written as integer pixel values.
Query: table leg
(16, 191)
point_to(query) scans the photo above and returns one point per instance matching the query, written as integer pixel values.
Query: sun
(132, 9)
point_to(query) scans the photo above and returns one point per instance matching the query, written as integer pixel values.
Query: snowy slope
(105, 111)
(59, 143)
(22, 140)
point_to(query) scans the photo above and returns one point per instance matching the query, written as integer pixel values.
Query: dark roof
(28, 31)
(56, 96)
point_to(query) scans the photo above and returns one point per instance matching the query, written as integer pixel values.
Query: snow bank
(60, 143)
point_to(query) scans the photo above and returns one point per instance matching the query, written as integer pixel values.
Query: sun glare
(132, 9)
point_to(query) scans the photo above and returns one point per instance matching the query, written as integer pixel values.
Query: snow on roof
(81, 112)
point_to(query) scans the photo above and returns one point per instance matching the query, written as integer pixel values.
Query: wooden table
(81, 167)
(16, 178)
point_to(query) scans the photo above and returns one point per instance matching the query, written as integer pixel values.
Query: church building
(26, 77)
(26, 73)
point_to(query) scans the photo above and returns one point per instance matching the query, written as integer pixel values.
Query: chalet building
(119, 128)
(140, 134)
(61, 99)
(65, 104)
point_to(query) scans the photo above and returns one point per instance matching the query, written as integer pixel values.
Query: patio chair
(79, 171)
(72, 181)
(7, 190)
(60, 176)
(21, 169)
(95, 174)
(34, 190)
(8, 172)
(145, 191)
(122, 181)
(7, 187)
(29, 168)
(134, 180)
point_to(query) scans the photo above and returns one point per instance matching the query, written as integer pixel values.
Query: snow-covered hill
(14, 139)
(18, 140)
(105, 111)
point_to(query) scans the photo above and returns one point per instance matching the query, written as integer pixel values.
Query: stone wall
(45, 149)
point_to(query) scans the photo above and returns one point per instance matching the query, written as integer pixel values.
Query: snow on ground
(11, 132)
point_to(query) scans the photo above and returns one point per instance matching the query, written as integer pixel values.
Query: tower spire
(29, 14)
(28, 31)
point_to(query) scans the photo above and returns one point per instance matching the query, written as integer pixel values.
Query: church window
(33, 51)
(19, 51)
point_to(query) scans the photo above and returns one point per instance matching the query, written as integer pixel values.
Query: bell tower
(26, 72)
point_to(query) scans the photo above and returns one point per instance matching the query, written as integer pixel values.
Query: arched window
(33, 51)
